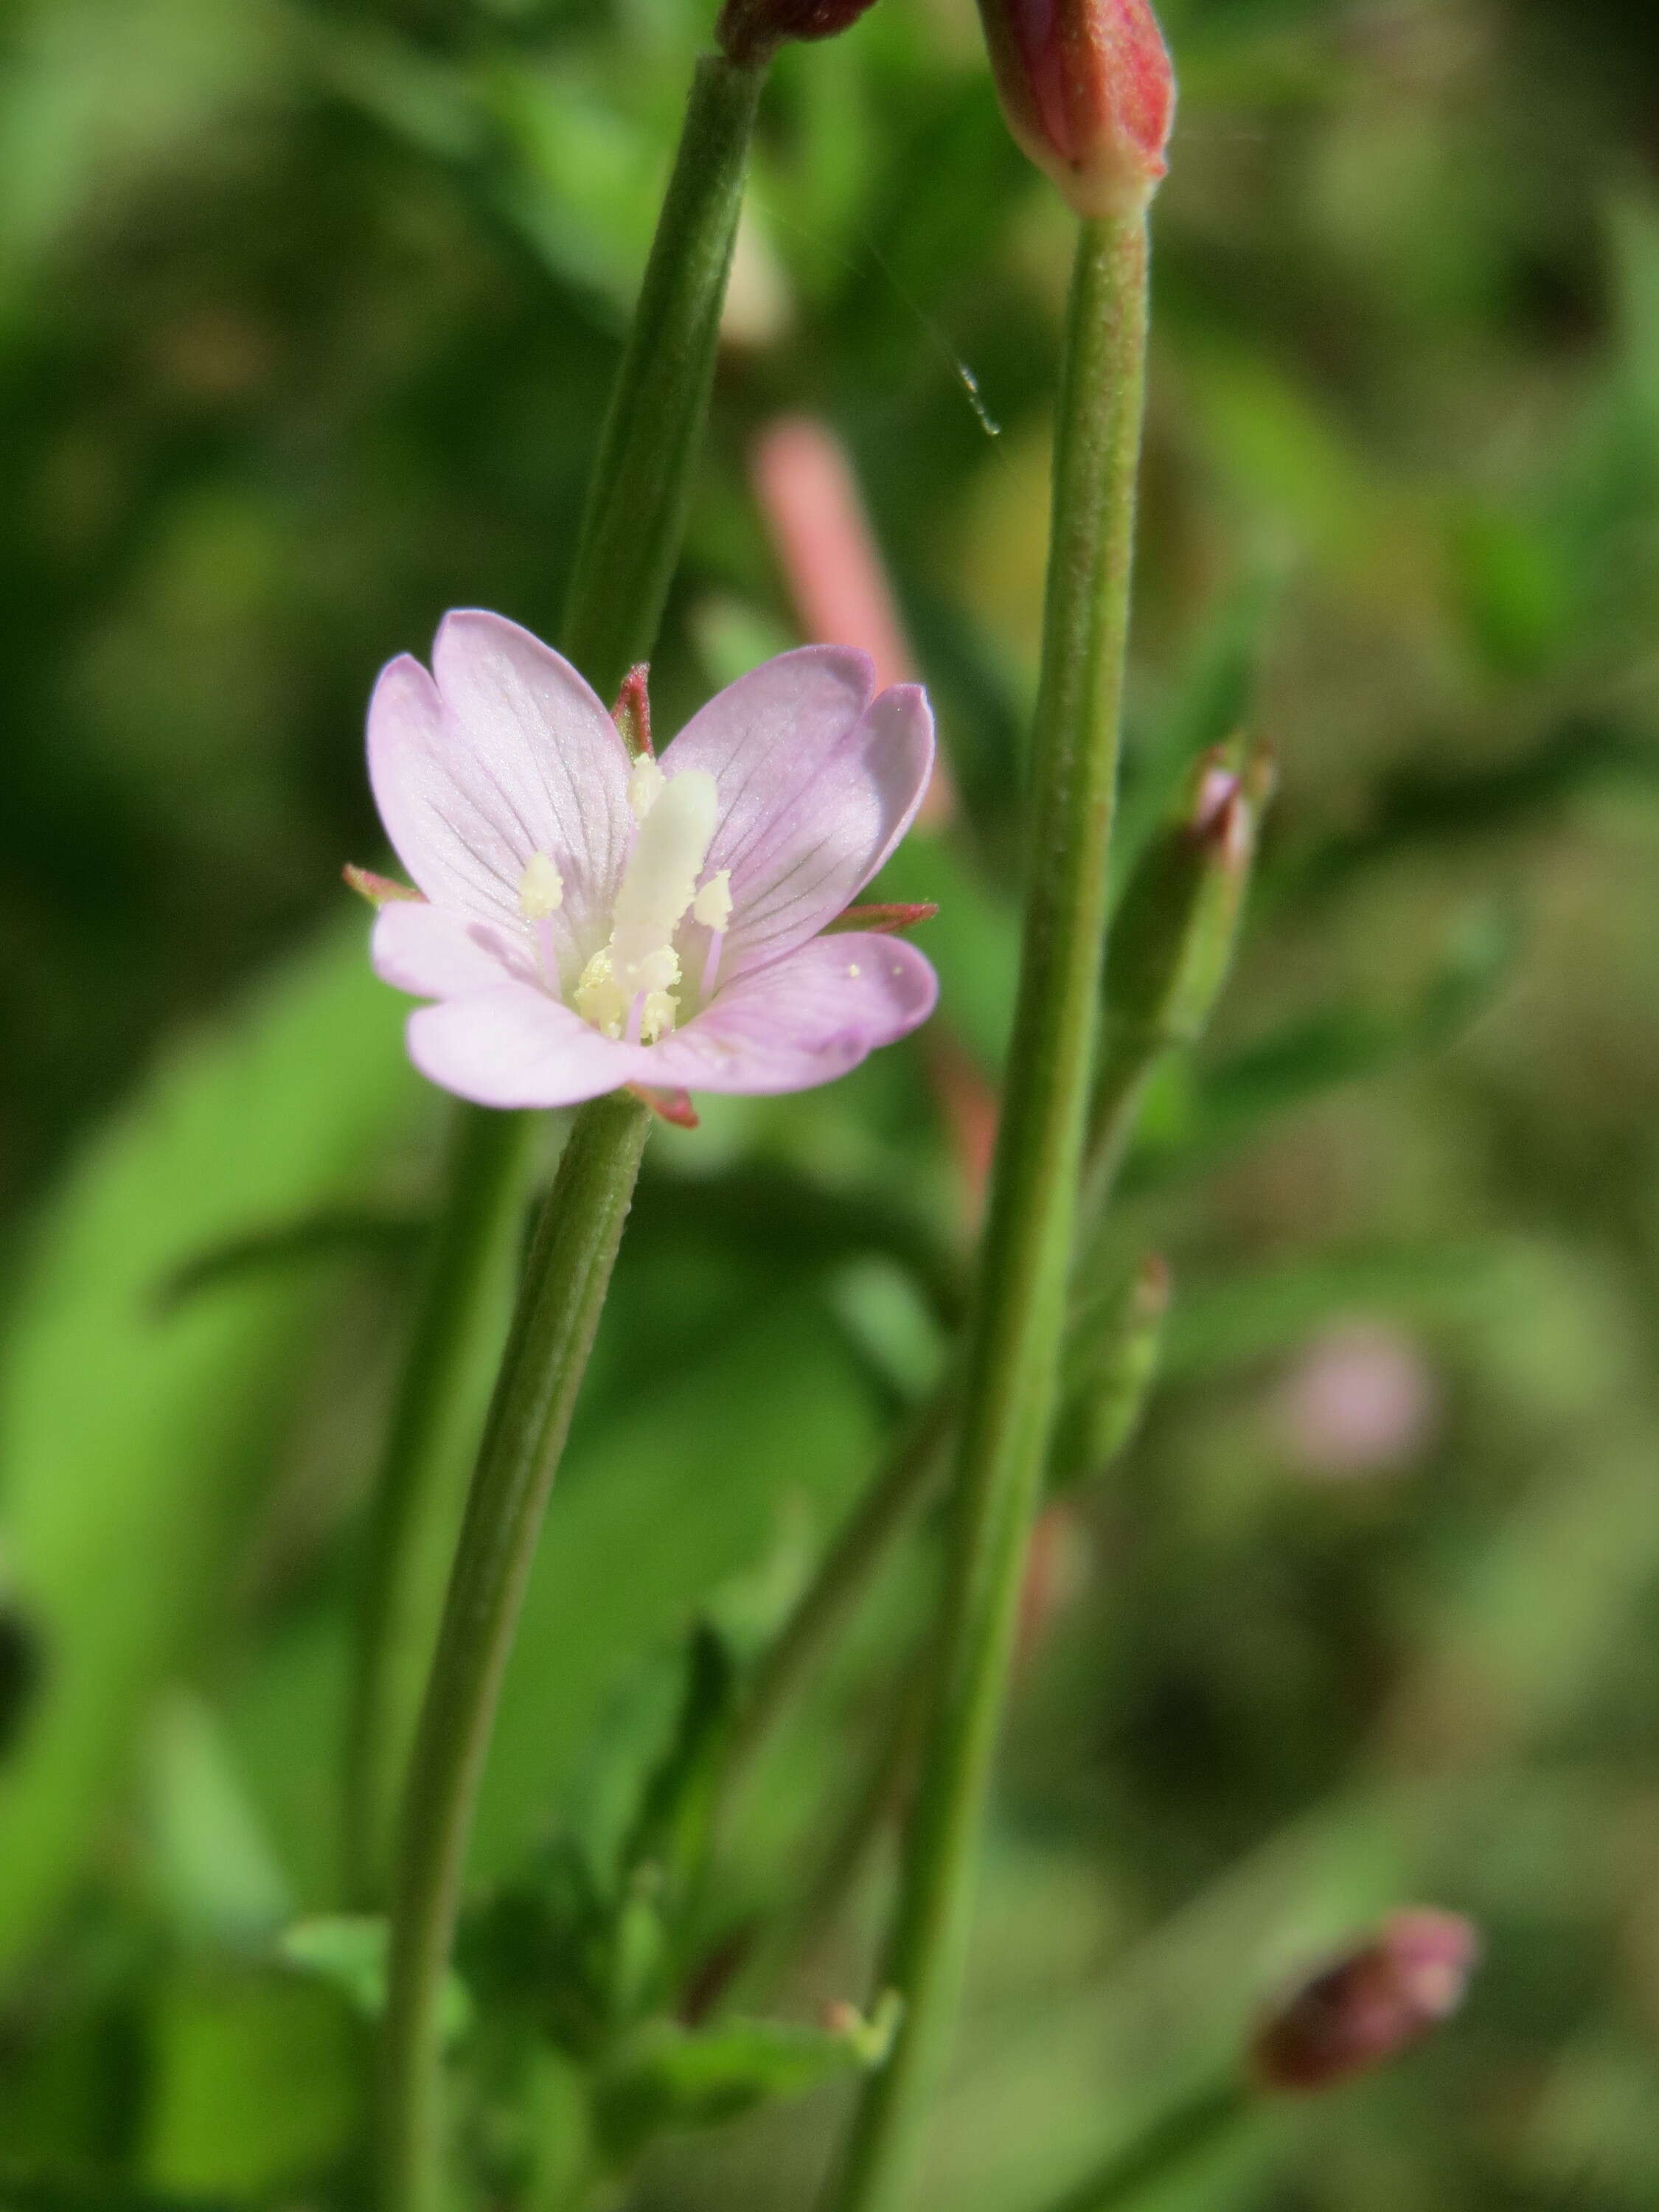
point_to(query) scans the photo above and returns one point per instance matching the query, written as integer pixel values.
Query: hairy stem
(629, 543)
(462, 1302)
(566, 1280)
(635, 518)
(1011, 1373)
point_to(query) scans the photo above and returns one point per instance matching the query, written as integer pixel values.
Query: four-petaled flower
(589, 921)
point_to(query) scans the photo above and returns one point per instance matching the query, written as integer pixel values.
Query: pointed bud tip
(1371, 2006)
(1089, 92)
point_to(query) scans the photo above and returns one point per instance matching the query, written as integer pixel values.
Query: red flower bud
(1368, 2007)
(1089, 93)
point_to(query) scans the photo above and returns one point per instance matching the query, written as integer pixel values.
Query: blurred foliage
(307, 309)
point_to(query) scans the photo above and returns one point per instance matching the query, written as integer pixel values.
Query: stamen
(712, 906)
(628, 986)
(645, 787)
(549, 956)
(541, 888)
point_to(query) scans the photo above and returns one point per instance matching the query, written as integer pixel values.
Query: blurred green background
(307, 317)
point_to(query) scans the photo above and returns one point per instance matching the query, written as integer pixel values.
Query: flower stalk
(462, 1301)
(1012, 1363)
(566, 1279)
(635, 521)
(630, 542)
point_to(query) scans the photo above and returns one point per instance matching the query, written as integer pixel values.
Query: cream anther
(541, 888)
(712, 906)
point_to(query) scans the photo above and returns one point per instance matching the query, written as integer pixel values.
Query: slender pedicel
(630, 539)
(1014, 1344)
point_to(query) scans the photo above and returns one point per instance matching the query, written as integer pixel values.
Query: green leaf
(672, 2077)
(133, 1443)
(347, 1233)
(1227, 1103)
(678, 1491)
(217, 1874)
(672, 1824)
(1230, 1322)
(257, 2084)
(348, 1950)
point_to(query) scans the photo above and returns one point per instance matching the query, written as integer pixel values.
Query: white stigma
(541, 888)
(627, 987)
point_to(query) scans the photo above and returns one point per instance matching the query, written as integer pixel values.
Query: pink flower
(590, 921)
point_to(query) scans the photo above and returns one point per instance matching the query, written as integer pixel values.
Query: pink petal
(507, 753)
(816, 785)
(805, 1019)
(515, 1046)
(437, 954)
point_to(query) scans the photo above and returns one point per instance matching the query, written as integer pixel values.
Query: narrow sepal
(882, 920)
(632, 712)
(379, 891)
(673, 1106)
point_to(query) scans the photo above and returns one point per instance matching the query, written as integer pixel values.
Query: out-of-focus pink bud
(1368, 2007)
(1359, 1400)
(1089, 93)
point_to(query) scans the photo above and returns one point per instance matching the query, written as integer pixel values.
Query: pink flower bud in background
(1360, 1398)
(1089, 93)
(1368, 2007)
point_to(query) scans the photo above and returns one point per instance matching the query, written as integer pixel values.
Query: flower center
(629, 989)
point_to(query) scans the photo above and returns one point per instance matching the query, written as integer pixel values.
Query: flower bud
(1368, 2007)
(1177, 923)
(749, 30)
(1111, 1363)
(1088, 94)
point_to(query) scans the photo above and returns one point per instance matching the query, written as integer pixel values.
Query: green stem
(635, 519)
(629, 543)
(460, 1314)
(842, 1576)
(630, 539)
(803, 1929)
(566, 1279)
(1206, 2118)
(1014, 1350)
